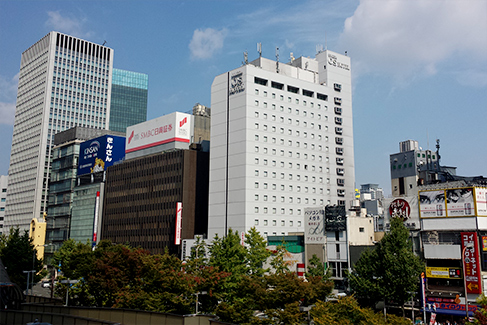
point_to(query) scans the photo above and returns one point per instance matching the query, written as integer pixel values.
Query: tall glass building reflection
(129, 99)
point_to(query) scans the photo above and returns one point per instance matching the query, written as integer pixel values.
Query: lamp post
(467, 245)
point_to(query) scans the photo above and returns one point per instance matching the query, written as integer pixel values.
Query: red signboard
(179, 216)
(470, 247)
(400, 208)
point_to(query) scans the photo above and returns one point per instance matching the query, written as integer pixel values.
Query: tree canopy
(390, 270)
(18, 254)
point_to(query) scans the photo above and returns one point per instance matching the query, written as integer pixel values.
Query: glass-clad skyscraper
(64, 82)
(129, 99)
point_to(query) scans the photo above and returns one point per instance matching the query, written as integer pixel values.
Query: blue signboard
(97, 154)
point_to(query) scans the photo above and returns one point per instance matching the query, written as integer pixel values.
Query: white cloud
(8, 95)
(206, 42)
(66, 24)
(408, 38)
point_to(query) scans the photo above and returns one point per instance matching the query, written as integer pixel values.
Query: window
(260, 81)
(321, 96)
(256, 103)
(274, 222)
(265, 222)
(292, 89)
(256, 184)
(338, 110)
(256, 197)
(338, 120)
(277, 85)
(340, 182)
(265, 93)
(256, 209)
(308, 93)
(256, 222)
(361, 229)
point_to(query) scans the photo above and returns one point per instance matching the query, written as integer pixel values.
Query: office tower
(281, 140)
(64, 82)
(129, 99)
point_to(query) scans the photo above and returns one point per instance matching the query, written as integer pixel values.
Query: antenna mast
(246, 58)
(277, 59)
(259, 49)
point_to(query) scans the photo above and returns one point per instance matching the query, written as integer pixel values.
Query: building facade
(281, 140)
(129, 99)
(63, 180)
(3, 199)
(143, 196)
(64, 82)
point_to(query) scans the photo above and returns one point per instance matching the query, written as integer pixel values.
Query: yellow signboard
(443, 272)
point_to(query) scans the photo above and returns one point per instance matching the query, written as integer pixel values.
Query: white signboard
(179, 217)
(432, 204)
(174, 127)
(459, 202)
(481, 201)
(314, 225)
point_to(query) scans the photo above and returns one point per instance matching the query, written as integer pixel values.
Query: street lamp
(467, 245)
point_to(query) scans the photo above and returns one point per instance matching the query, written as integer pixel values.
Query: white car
(46, 284)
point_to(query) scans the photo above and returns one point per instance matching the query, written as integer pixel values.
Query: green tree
(389, 271)
(316, 268)
(346, 311)
(481, 313)
(18, 254)
(257, 253)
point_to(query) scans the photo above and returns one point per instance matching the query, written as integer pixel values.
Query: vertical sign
(314, 226)
(179, 216)
(95, 222)
(471, 262)
(242, 238)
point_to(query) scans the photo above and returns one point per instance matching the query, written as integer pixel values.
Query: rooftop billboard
(97, 154)
(174, 127)
(453, 202)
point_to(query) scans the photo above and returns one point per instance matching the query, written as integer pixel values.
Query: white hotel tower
(281, 141)
(64, 82)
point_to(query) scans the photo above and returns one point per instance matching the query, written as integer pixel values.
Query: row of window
(266, 222)
(292, 89)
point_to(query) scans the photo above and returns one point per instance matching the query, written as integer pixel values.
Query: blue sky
(419, 67)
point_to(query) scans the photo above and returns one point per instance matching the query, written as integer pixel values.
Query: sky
(419, 68)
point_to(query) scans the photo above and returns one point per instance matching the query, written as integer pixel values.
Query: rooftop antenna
(246, 58)
(319, 48)
(438, 154)
(104, 43)
(259, 49)
(326, 42)
(292, 57)
(277, 59)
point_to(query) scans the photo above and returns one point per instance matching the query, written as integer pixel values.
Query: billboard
(405, 208)
(432, 204)
(470, 249)
(335, 218)
(454, 202)
(443, 272)
(174, 127)
(314, 223)
(481, 201)
(97, 154)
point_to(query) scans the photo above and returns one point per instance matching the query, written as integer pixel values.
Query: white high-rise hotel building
(64, 82)
(281, 141)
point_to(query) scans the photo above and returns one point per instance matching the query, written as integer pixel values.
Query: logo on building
(93, 148)
(183, 121)
(131, 136)
(236, 84)
(400, 208)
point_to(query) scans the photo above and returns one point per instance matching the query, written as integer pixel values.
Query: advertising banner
(443, 272)
(432, 204)
(481, 201)
(459, 202)
(97, 154)
(174, 127)
(314, 226)
(470, 247)
(335, 218)
(179, 217)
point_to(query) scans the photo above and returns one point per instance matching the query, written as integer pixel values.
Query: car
(46, 284)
